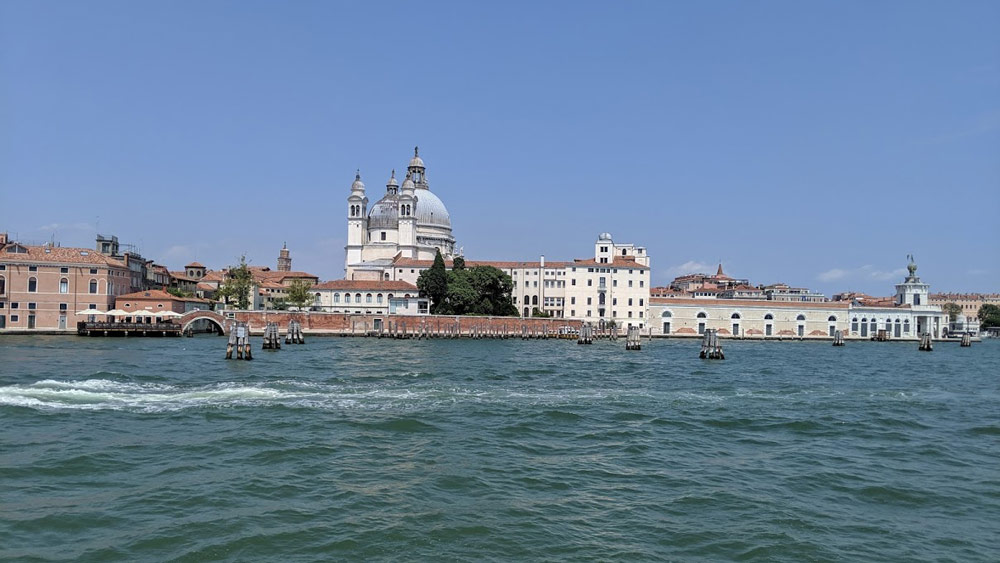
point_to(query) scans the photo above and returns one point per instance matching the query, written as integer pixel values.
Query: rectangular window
(572, 300)
(32, 305)
(3, 321)
(630, 282)
(641, 283)
(588, 301)
(93, 270)
(640, 301)
(15, 305)
(31, 321)
(629, 301)
(3, 286)
(14, 318)
(588, 314)
(383, 235)
(32, 268)
(63, 270)
(614, 301)
(572, 313)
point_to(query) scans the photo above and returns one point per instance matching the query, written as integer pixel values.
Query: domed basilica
(409, 221)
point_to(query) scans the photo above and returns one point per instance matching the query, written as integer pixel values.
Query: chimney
(542, 261)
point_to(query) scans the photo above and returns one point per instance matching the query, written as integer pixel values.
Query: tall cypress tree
(433, 283)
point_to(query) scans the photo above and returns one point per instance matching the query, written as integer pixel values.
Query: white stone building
(368, 297)
(905, 316)
(613, 285)
(408, 221)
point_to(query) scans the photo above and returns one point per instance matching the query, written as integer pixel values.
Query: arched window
(769, 317)
(832, 319)
(667, 314)
(336, 298)
(378, 298)
(702, 315)
(800, 318)
(534, 299)
(390, 297)
(407, 296)
(63, 285)
(32, 285)
(3, 285)
(357, 298)
(93, 286)
(368, 298)
(735, 316)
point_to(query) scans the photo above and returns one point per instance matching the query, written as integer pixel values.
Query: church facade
(408, 221)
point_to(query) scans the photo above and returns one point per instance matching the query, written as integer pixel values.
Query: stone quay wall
(340, 324)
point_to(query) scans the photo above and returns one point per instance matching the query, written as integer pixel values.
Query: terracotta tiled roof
(206, 286)
(281, 276)
(57, 254)
(748, 303)
(213, 276)
(363, 285)
(618, 262)
(195, 265)
(157, 294)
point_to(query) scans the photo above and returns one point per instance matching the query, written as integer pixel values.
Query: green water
(360, 449)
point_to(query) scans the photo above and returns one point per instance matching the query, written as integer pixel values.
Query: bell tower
(357, 221)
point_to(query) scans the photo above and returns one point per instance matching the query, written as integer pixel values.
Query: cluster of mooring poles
(838, 338)
(966, 340)
(294, 334)
(272, 341)
(633, 340)
(926, 344)
(239, 338)
(710, 347)
(586, 334)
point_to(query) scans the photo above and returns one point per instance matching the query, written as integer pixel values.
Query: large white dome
(431, 210)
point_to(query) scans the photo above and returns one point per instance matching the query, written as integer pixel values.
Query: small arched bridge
(220, 323)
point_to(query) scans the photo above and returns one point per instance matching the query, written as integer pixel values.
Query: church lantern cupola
(416, 170)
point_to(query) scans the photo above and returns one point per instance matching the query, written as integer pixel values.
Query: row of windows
(32, 306)
(357, 297)
(32, 286)
(767, 317)
(600, 313)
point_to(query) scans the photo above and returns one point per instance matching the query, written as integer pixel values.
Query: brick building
(42, 287)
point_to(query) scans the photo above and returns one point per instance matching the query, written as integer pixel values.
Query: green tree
(953, 310)
(433, 283)
(458, 263)
(238, 284)
(493, 288)
(989, 316)
(536, 312)
(178, 292)
(299, 294)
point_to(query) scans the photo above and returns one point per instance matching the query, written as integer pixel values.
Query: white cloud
(866, 272)
(67, 227)
(832, 275)
(689, 267)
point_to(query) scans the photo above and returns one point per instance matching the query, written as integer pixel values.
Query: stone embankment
(338, 324)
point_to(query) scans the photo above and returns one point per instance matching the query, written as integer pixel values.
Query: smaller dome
(392, 179)
(416, 161)
(358, 184)
(604, 236)
(408, 182)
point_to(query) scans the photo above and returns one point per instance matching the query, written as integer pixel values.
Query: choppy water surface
(150, 449)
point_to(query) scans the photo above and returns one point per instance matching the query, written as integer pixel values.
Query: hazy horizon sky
(811, 143)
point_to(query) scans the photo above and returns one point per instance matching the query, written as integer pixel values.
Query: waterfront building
(969, 303)
(42, 287)
(907, 315)
(129, 255)
(613, 285)
(156, 300)
(408, 221)
(369, 297)
(722, 286)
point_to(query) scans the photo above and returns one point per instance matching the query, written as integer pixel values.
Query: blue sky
(815, 143)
